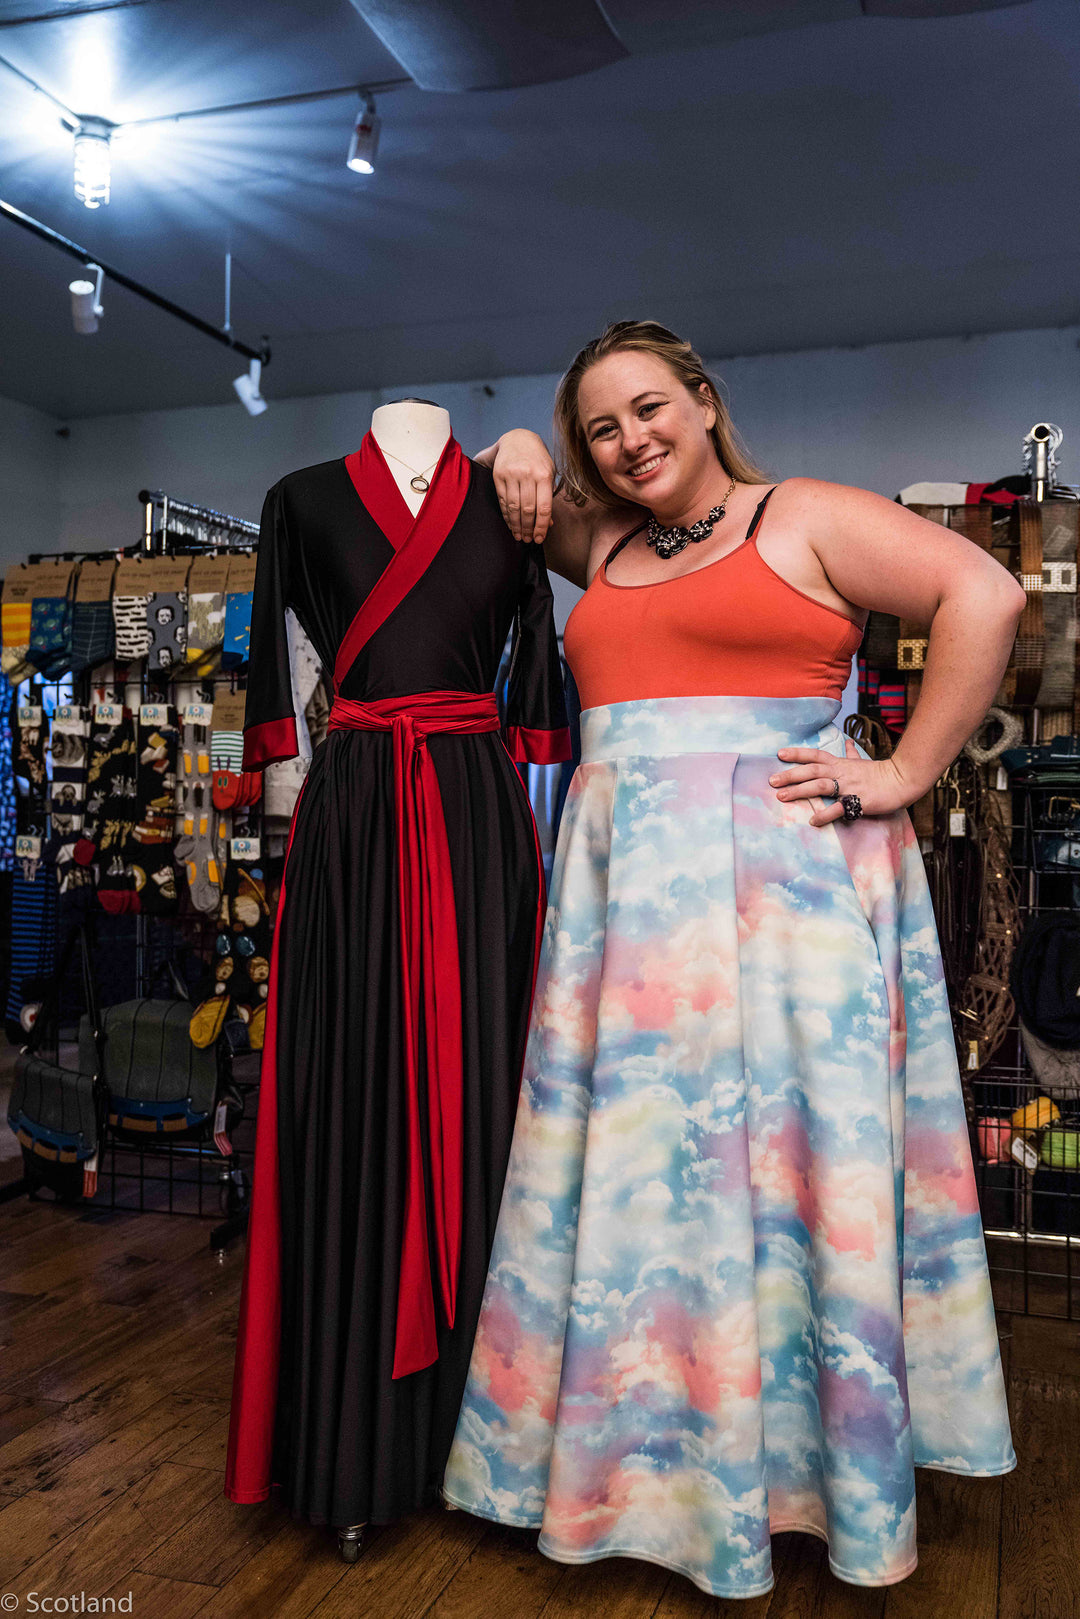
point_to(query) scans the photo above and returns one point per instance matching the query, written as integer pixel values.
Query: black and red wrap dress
(403, 968)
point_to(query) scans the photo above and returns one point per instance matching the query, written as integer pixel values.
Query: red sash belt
(431, 975)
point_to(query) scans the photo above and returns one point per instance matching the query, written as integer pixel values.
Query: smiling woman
(738, 1283)
(588, 432)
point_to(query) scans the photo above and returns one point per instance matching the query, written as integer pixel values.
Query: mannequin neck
(411, 435)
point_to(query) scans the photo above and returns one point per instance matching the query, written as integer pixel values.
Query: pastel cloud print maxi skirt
(739, 1282)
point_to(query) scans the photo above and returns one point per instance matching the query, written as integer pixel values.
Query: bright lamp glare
(364, 143)
(92, 164)
(42, 123)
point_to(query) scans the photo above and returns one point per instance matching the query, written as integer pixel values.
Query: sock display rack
(135, 820)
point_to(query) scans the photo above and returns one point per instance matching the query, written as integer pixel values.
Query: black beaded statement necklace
(668, 542)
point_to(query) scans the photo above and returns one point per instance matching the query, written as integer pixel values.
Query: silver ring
(835, 789)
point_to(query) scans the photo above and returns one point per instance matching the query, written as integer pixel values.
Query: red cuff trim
(528, 747)
(266, 744)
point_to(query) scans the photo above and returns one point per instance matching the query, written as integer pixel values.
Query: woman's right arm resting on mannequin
(524, 482)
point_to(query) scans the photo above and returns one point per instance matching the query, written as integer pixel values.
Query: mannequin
(404, 959)
(412, 434)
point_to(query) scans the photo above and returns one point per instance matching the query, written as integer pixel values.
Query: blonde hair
(577, 469)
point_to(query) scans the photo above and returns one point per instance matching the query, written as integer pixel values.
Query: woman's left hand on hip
(812, 773)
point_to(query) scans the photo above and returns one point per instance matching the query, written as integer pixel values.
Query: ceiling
(760, 174)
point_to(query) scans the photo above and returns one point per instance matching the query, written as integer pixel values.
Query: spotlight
(247, 388)
(92, 161)
(86, 308)
(365, 139)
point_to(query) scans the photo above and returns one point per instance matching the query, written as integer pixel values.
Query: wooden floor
(116, 1343)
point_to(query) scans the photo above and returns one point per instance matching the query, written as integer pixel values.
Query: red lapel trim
(374, 483)
(415, 545)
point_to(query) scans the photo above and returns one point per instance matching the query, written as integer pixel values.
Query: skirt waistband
(661, 726)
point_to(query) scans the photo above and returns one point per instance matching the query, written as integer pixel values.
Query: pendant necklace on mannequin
(419, 480)
(668, 542)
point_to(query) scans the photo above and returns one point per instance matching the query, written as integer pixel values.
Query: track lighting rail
(84, 256)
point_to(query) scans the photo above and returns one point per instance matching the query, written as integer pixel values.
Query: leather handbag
(57, 1113)
(158, 1081)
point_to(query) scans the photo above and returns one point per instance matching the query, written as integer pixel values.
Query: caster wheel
(351, 1542)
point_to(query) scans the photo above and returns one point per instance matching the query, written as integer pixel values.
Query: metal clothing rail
(197, 525)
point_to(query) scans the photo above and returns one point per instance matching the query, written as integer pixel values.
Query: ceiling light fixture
(86, 308)
(93, 165)
(364, 143)
(247, 389)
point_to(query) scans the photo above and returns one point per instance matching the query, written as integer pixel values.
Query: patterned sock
(132, 635)
(8, 809)
(93, 636)
(238, 976)
(150, 847)
(237, 628)
(34, 913)
(29, 768)
(116, 881)
(67, 802)
(205, 630)
(249, 921)
(233, 787)
(15, 618)
(196, 848)
(59, 662)
(97, 776)
(50, 635)
(166, 619)
(227, 751)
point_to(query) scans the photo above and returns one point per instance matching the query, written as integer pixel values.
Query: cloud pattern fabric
(739, 1282)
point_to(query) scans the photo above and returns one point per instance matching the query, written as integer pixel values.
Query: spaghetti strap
(617, 547)
(755, 521)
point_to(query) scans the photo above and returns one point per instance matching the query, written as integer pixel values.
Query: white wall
(880, 417)
(31, 504)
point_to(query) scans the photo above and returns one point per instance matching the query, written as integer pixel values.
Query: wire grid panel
(1027, 1136)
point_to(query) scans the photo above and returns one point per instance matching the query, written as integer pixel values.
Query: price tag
(244, 848)
(1022, 1151)
(957, 823)
(198, 713)
(153, 714)
(30, 714)
(108, 713)
(973, 1055)
(27, 848)
(229, 710)
(67, 714)
(1001, 781)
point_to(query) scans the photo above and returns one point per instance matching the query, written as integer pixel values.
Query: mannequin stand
(351, 1541)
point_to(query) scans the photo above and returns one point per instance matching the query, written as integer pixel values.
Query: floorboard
(117, 1334)
(1040, 1535)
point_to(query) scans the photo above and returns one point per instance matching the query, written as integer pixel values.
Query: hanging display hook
(1041, 445)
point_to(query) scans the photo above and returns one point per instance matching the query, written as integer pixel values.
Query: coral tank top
(732, 628)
